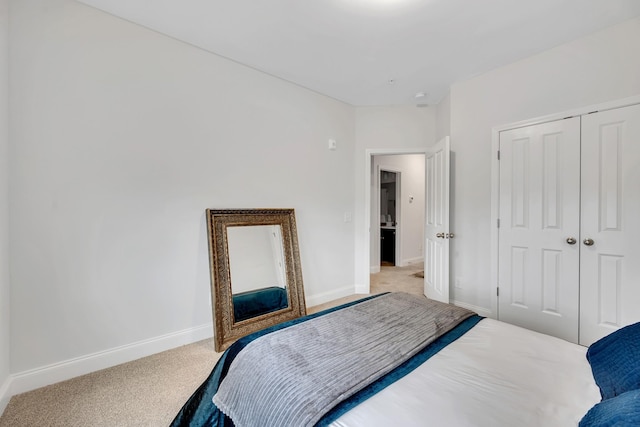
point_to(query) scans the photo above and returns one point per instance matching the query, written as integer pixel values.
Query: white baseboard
(480, 310)
(409, 261)
(318, 299)
(40, 377)
(403, 263)
(5, 394)
(362, 289)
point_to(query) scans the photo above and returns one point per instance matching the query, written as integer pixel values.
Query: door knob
(449, 235)
(440, 235)
(571, 240)
(588, 242)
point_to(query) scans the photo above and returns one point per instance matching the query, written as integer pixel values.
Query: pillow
(621, 411)
(615, 361)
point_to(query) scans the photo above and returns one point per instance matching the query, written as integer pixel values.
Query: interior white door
(539, 215)
(436, 259)
(610, 258)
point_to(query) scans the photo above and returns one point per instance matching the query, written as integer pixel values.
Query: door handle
(588, 242)
(440, 235)
(571, 240)
(449, 236)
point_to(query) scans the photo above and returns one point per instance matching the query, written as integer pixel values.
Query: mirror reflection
(257, 269)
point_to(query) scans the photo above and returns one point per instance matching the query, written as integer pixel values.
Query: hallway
(390, 279)
(398, 279)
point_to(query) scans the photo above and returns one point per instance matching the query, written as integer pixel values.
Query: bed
(386, 365)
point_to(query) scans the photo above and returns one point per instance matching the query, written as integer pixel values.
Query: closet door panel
(610, 208)
(539, 211)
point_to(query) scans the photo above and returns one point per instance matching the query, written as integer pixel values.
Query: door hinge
(498, 154)
(498, 291)
(498, 222)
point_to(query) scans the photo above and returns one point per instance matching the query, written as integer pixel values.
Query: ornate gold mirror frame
(234, 308)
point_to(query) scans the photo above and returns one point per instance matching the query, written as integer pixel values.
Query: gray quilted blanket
(293, 376)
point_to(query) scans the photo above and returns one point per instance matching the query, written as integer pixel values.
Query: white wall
(601, 67)
(5, 343)
(121, 138)
(382, 130)
(411, 229)
(443, 118)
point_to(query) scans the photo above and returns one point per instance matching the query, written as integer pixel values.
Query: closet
(569, 225)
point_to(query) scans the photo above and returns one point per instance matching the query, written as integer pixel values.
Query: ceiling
(374, 52)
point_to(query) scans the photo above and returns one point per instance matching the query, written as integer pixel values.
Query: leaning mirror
(256, 279)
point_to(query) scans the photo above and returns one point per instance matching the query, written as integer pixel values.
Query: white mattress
(495, 375)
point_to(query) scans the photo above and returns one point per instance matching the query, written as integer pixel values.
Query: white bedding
(495, 375)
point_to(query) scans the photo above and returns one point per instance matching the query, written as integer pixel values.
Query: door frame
(495, 173)
(365, 267)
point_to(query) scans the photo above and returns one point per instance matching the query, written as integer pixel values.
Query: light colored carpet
(398, 279)
(150, 391)
(145, 392)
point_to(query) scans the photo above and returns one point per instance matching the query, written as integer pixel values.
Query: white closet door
(539, 215)
(610, 266)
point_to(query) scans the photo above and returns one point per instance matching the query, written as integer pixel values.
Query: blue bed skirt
(199, 410)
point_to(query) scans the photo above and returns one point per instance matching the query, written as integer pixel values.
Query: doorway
(389, 192)
(396, 210)
(433, 240)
